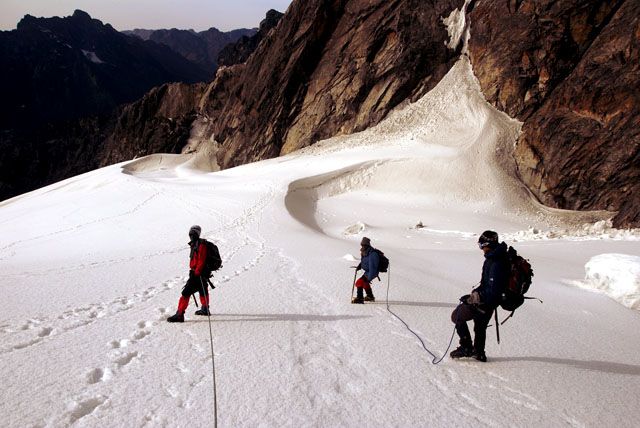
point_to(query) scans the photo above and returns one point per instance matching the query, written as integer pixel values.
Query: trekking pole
(355, 273)
(213, 364)
(497, 327)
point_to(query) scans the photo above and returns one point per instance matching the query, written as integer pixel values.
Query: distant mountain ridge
(199, 47)
(64, 68)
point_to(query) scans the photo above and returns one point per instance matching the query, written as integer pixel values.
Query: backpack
(520, 278)
(213, 262)
(383, 264)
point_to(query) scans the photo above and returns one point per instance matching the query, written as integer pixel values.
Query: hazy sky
(150, 14)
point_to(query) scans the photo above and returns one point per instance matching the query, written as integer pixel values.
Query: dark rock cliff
(570, 71)
(160, 122)
(63, 79)
(239, 52)
(329, 67)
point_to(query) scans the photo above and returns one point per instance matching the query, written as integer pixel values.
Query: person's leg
(204, 300)
(370, 297)
(460, 316)
(360, 284)
(189, 289)
(480, 323)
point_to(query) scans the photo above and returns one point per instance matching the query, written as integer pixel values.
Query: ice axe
(355, 273)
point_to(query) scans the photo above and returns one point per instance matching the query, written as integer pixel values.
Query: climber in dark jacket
(483, 300)
(369, 262)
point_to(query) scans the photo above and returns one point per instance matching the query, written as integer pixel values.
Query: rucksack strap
(495, 313)
(505, 320)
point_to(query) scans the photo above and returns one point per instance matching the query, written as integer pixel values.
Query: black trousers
(481, 317)
(196, 284)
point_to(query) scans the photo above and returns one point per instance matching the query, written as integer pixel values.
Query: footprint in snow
(126, 358)
(138, 335)
(45, 332)
(78, 410)
(117, 344)
(98, 375)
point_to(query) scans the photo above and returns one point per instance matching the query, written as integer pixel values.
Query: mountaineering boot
(177, 317)
(369, 297)
(480, 356)
(358, 299)
(461, 352)
(204, 310)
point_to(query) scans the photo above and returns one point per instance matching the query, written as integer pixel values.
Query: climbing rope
(213, 364)
(435, 357)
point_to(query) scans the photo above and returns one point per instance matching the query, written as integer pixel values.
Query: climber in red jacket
(197, 282)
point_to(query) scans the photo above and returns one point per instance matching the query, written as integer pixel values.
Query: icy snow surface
(618, 275)
(91, 267)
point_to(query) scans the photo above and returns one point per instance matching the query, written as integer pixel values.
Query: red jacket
(198, 258)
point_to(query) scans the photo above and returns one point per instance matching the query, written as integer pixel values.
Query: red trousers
(363, 283)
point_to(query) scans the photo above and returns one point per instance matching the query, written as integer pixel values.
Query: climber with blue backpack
(204, 258)
(372, 261)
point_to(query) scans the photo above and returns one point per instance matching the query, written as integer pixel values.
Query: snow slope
(91, 267)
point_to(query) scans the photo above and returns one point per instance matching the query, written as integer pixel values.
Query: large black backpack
(213, 262)
(520, 277)
(383, 264)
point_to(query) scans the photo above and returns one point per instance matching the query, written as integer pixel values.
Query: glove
(474, 298)
(359, 267)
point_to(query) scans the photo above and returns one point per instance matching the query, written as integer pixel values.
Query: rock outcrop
(328, 68)
(570, 71)
(160, 122)
(239, 52)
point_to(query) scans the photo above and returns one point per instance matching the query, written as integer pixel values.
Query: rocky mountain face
(328, 67)
(160, 122)
(65, 68)
(199, 47)
(62, 80)
(238, 52)
(570, 71)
